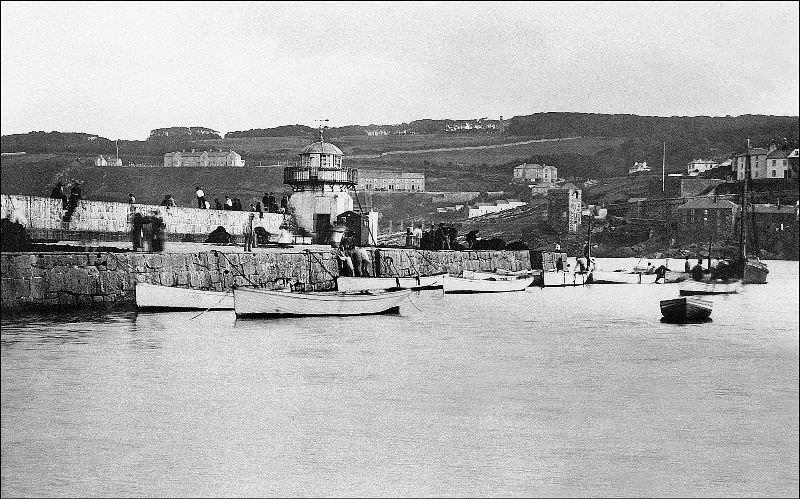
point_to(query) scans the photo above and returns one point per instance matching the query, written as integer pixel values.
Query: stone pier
(41, 281)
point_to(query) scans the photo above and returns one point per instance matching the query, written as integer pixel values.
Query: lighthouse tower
(321, 188)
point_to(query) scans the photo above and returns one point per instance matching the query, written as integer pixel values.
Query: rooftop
(706, 203)
(320, 147)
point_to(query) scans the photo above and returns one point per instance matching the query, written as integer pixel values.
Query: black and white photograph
(399, 249)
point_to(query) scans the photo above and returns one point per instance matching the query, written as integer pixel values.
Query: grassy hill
(35, 175)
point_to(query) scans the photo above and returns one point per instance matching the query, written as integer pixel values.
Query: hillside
(579, 144)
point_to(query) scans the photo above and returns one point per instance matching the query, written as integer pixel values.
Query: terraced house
(203, 158)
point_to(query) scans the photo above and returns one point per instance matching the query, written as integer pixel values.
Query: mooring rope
(209, 308)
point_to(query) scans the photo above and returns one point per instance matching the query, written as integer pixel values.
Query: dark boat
(687, 309)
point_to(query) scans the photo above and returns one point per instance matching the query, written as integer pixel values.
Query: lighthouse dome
(320, 147)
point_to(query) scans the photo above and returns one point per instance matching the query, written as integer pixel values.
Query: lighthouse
(321, 188)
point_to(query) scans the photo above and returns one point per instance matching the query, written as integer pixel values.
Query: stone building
(203, 158)
(758, 163)
(388, 180)
(707, 217)
(778, 164)
(535, 173)
(564, 208)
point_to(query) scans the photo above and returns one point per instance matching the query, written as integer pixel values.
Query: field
(35, 175)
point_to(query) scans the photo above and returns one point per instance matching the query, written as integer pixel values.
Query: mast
(663, 166)
(743, 231)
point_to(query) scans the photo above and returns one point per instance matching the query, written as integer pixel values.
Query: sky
(122, 69)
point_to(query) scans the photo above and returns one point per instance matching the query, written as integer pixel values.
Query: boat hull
(347, 284)
(155, 297)
(250, 302)
(562, 279)
(755, 272)
(694, 288)
(687, 309)
(605, 277)
(463, 285)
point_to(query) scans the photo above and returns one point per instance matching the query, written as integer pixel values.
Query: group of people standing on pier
(353, 260)
(435, 238)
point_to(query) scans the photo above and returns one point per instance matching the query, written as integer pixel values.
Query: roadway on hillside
(463, 148)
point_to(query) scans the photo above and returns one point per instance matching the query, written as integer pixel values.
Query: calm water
(558, 392)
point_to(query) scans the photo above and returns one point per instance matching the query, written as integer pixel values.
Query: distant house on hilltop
(698, 166)
(177, 132)
(638, 167)
(203, 158)
(109, 160)
(387, 180)
(535, 172)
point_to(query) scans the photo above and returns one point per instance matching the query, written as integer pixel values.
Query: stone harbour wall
(47, 220)
(40, 281)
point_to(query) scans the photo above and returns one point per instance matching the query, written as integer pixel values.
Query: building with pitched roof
(203, 158)
(535, 173)
(697, 166)
(706, 217)
(107, 160)
(392, 181)
(778, 164)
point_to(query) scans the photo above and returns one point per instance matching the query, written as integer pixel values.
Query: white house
(697, 166)
(109, 160)
(638, 167)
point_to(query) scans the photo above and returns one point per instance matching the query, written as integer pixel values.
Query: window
(774, 173)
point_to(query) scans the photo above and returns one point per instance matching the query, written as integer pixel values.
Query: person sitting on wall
(472, 238)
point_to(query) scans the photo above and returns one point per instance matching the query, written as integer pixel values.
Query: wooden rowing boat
(687, 309)
(560, 278)
(152, 296)
(692, 288)
(346, 283)
(605, 277)
(251, 301)
(491, 285)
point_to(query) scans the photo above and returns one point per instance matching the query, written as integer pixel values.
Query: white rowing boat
(251, 301)
(153, 296)
(491, 285)
(710, 287)
(557, 278)
(346, 283)
(605, 277)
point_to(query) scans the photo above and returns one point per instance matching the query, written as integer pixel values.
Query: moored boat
(491, 285)
(252, 301)
(692, 288)
(621, 277)
(347, 283)
(153, 296)
(686, 309)
(558, 278)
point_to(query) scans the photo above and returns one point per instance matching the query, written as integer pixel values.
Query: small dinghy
(692, 288)
(621, 277)
(251, 301)
(346, 283)
(687, 309)
(492, 285)
(155, 297)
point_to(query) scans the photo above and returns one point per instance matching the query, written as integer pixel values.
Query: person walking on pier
(74, 195)
(201, 198)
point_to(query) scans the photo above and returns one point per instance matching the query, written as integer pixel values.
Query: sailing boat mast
(663, 167)
(743, 216)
